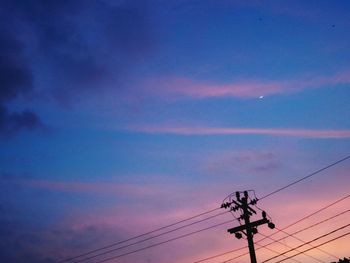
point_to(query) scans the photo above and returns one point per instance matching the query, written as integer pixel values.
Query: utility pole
(249, 228)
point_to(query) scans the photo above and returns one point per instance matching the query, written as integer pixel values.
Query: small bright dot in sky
(148, 105)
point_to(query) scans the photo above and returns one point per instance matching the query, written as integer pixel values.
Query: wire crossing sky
(126, 117)
(196, 222)
(258, 242)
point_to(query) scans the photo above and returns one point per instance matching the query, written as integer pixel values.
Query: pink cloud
(125, 220)
(305, 133)
(188, 88)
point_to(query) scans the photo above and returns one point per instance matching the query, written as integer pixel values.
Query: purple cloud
(182, 87)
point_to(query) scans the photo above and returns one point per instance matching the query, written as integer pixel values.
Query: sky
(120, 117)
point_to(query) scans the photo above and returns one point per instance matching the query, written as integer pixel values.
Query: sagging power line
(319, 245)
(148, 233)
(92, 252)
(308, 242)
(284, 228)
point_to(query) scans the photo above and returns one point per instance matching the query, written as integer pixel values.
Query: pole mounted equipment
(249, 229)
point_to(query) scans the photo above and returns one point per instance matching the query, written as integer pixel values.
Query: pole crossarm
(251, 225)
(249, 228)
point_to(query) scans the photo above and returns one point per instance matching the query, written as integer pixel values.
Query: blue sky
(110, 110)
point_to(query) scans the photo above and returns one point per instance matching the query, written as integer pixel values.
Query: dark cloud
(15, 80)
(86, 45)
(78, 47)
(12, 123)
(15, 74)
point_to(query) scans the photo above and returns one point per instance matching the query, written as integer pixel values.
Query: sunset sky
(119, 117)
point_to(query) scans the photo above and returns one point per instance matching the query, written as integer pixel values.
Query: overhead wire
(302, 230)
(293, 235)
(316, 224)
(308, 242)
(149, 238)
(192, 217)
(295, 248)
(276, 252)
(301, 240)
(319, 245)
(306, 177)
(286, 227)
(277, 241)
(222, 254)
(163, 242)
(283, 188)
(141, 235)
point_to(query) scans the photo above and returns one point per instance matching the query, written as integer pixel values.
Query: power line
(305, 177)
(149, 238)
(277, 241)
(300, 220)
(316, 224)
(142, 235)
(192, 217)
(288, 226)
(274, 251)
(222, 254)
(301, 252)
(319, 249)
(313, 240)
(241, 255)
(316, 212)
(163, 242)
(324, 243)
(301, 230)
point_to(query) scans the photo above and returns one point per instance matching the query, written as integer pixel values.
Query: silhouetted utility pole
(345, 260)
(249, 228)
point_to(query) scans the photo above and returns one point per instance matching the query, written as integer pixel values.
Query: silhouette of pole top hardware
(249, 229)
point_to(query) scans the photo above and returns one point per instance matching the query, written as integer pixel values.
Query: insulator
(238, 235)
(254, 230)
(225, 205)
(271, 225)
(263, 214)
(238, 195)
(253, 202)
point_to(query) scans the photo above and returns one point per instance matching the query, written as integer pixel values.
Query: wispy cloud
(98, 188)
(182, 87)
(200, 131)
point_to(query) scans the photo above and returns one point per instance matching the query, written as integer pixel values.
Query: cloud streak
(202, 131)
(98, 188)
(188, 88)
